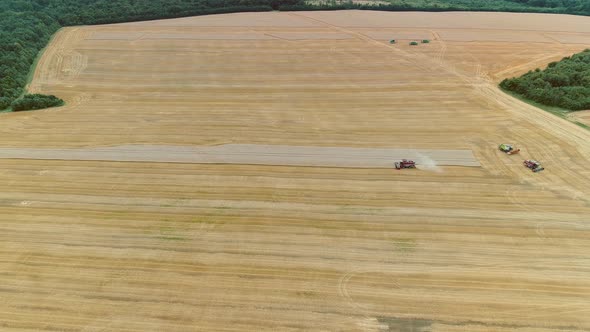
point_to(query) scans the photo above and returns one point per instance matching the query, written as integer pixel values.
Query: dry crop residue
(128, 246)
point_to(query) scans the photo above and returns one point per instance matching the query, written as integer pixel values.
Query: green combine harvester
(508, 149)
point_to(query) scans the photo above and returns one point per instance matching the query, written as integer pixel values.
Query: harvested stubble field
(251, 154)
(151, 246)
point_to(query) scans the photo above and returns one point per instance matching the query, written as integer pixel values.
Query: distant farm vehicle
(392, 41)
(534, 165)
(405, 164)
(413, 43)
(425, 41)
(508, 149)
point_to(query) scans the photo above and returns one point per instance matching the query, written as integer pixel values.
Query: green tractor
(508, 149)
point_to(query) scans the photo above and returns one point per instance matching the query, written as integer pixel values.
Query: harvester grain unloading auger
(508, 149)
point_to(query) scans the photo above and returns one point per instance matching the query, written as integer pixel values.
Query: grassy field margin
(557, 111)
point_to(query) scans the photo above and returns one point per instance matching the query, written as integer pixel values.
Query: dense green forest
(22, 35)
(577, 7)
(564, 84)
(27, 25)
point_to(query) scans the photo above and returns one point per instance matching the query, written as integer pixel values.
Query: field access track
(249, 154)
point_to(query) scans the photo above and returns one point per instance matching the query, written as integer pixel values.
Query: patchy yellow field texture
(580, 116)
(139, 246)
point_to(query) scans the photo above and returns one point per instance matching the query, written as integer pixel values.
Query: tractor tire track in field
(369, 322)
(162, 246)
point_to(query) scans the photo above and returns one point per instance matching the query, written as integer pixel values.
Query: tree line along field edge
(26, 26)
(563, 84)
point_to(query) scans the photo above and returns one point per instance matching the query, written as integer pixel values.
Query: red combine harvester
(405, 164)
(534, 165)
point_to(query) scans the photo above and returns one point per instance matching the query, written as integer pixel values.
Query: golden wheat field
(116, 245)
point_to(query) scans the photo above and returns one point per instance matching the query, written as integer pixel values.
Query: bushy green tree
(4, 102)
(35, 102)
